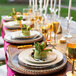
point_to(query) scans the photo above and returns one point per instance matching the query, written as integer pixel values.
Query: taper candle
(55, 2)
(30, 2)
(69, 9)
(59, 8)
(33, 4)
(51, 3)
(36, 4)
(44, 3)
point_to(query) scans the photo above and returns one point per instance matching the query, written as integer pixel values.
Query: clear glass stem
(68, 28)
(55, 39)
(73, 67)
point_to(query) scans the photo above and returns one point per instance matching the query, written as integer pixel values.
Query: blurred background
(7, 5)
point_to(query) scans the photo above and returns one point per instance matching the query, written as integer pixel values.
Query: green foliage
(19, 18)
(66, 2)
(41, 47)
(26, 27)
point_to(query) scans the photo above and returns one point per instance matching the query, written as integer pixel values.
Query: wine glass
(44, 30)
(71, 49)
(50, 26)
(55, 30)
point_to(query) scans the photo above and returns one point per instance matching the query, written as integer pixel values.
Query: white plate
(15, 24)
(8, 38)
(51, 56)
(18, 34)
(22, 59)
(7, 18)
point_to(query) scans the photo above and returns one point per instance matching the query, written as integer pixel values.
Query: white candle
(59, 8)
(33, 4)
(36, 4)
(40, 4)
(30, 2)
(51, 3)
(46, 7)
(55, 1)
(44, 3)
(69, 9)
(47, 3)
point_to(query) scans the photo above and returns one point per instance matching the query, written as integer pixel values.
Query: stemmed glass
(71, 49)
(55, 30)
(44, 30)
(50, 27)
(68, 35)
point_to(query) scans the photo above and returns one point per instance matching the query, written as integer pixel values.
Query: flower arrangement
(40, 51)
(26, 30)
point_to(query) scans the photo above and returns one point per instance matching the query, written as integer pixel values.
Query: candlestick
(69, 9)
(29, 2)
(51, 3)
(55, 1)
(59, 8)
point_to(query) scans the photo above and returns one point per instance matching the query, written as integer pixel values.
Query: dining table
(11, 49)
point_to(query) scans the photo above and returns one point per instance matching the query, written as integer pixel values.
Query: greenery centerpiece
(26, 30)
(40, 51)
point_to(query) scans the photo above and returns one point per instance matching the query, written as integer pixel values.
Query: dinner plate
(7, 18)
(14, 65)
(19, 35)
(51, 56)
(10, 37)
(15, 24)
(49, 62)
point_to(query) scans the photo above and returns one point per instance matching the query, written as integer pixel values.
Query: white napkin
(2, 54)
(3, 70)
(7, 17)
(11, 23)
(26, 22)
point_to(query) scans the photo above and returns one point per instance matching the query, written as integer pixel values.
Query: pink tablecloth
(9, 71)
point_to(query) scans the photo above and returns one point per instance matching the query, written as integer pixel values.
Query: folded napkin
(26, 22)
(11, 23)
(3, 70)
(7, 17)
(2, 54)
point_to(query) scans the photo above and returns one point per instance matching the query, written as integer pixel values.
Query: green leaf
(42, 45)
(33, 50)
(48, 50)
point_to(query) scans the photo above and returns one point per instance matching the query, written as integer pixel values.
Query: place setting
(31, 62)
(36, 41)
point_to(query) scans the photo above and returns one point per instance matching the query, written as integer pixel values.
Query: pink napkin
(9, 71)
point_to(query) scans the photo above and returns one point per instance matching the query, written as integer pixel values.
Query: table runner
(9, 71)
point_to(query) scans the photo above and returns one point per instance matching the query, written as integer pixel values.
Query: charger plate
(53, 58)
(8, 38)
(14, 65)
